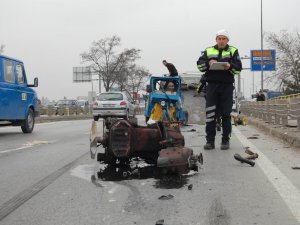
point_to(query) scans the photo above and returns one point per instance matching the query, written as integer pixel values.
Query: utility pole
(262, 46)
(99, 85)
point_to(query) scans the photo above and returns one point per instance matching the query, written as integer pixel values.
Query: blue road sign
(269, 60)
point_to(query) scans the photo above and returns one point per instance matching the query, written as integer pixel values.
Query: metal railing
(66, 111)
(284, 110)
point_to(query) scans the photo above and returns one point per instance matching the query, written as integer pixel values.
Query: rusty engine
(160, 143)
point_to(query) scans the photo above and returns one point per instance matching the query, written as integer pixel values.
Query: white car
(83, 103)
(114, 104)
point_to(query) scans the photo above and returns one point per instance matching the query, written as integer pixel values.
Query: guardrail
(284, 110)
(66, 111)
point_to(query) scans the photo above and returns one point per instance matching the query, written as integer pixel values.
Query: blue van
(18, 102)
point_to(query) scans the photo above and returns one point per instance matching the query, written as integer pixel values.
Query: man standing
(172, 70)
(219, 91)
(260, 96)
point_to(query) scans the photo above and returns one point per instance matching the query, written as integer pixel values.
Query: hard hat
(223, 32)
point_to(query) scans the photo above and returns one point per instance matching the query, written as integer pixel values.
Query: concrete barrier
(279, 117)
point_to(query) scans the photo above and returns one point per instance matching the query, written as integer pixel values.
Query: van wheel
(96, 118)
(28, 123)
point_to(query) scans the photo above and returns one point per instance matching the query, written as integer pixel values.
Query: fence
(284, 110)
(66, 111)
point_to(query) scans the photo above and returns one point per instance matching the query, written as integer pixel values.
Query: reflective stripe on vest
(214, 53)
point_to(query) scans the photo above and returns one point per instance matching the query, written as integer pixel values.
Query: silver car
(113, 104)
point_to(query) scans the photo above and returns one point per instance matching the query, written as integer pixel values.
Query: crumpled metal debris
(160, 222)
(252, 137)
(296, 167)
(243, 160)
(166, 197)
(252, 155)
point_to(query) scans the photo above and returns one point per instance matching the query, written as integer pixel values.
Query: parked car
(113, 104)
(72, 104)
(83, 103)
(18, 102)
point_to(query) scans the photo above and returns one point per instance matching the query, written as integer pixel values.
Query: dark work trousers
(218, 96)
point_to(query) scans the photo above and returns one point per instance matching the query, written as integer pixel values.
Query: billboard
(268, 57)
(82, 74)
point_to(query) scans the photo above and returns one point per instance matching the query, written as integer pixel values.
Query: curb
(289, 135)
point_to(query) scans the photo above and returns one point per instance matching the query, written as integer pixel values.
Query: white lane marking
(55, 122)
(28, 144)
(16, 149)
(288, 192)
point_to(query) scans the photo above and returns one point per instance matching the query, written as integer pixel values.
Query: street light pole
(99, 85)
(262, 46)
(252, 82)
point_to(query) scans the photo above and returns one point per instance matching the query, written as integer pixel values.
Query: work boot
(209, 145)
(218, 126)
(225, 144)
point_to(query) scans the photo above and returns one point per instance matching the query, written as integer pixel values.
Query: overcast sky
(49, 35)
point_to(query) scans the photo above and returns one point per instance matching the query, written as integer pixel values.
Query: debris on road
(32, 143)
(252, 155)
(243, 160)
(252, 137)
(160, 222)
(296, 167)
(191, 130)
(161, 144)
(190, 187)
(166, 197)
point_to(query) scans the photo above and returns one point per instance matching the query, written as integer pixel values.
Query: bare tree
(136, 77)
(107, 62)
(287, 74)
(2, 48)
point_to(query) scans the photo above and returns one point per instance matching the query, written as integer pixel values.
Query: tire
(28, 123)
(96, 118)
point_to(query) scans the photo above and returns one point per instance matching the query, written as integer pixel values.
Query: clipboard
(217, 66)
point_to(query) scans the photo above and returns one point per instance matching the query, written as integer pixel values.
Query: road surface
(47, 178)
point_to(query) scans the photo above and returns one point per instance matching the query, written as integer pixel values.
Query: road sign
(82, 74)
(269, 60)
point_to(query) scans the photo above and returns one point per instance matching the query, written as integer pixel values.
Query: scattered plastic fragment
(296, 167)
(166, 197)
(160, 222)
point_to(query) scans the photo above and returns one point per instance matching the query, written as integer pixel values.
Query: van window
(9, 75)
(20, 75)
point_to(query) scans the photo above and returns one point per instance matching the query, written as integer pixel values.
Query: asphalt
(54, 181)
